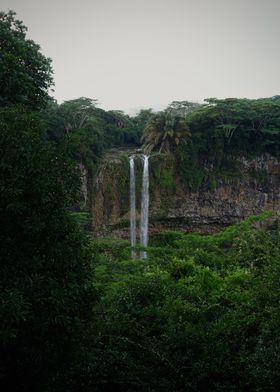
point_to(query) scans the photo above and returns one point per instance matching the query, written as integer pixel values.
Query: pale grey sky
(146, 53)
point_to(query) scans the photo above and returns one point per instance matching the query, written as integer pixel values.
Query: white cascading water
(132, 206)
(144, 237)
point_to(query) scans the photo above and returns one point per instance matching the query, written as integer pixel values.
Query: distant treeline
(216, 129)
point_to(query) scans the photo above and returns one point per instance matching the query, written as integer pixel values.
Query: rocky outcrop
(219, 201)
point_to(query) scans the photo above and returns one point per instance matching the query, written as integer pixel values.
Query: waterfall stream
(132, 206)
(144, 221)
(144, 225)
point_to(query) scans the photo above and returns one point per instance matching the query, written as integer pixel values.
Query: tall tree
(182, 108)
(45, 271)
(77, 125)
(165, 131)
(25, 73)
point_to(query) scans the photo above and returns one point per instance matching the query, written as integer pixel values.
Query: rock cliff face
(220, 199)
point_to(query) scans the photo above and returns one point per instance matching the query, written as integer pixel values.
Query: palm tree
(165, 131)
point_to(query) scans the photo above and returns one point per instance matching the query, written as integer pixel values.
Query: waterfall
(132, 206)
(144, 207)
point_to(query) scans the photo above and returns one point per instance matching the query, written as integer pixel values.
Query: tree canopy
(164, 131)
(25, 73)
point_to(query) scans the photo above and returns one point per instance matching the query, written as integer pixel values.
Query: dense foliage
(45, 271)
(86, 131)
(212, 134)
(201, 314)
(164, 132)
(236, 126)
(46, 292)
(222, 130)
(25, 74)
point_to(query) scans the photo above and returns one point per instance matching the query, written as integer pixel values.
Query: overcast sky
(130, 54)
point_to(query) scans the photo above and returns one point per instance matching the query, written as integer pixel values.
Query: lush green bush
(201, 313)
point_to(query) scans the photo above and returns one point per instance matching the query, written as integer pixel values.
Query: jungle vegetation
(76, 313)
